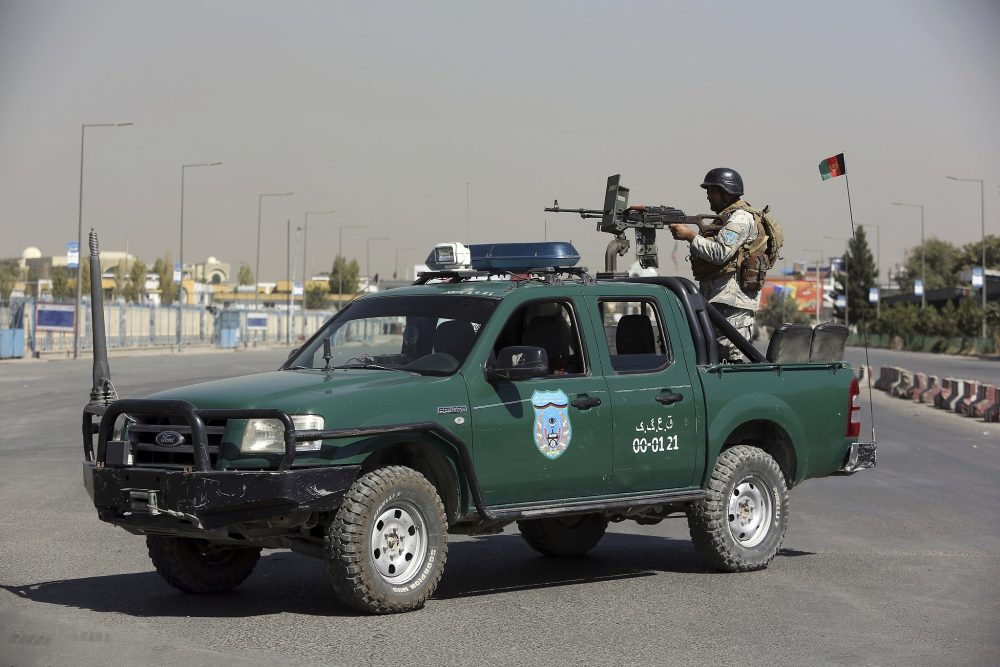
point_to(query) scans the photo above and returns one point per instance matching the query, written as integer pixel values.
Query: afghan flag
(832, 167)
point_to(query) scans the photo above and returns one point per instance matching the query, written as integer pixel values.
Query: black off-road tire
(564, 537)
(387, 544)
(198, 566)
(741, 524)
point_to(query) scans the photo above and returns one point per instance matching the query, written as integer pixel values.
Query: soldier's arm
(721, 249)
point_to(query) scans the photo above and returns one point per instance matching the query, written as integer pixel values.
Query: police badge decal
(552, 428)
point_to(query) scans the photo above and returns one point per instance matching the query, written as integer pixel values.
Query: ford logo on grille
(169, 439)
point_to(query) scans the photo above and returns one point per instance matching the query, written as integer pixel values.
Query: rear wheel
(198, 566)
(387, 544)
(740, 525)
(565, 536)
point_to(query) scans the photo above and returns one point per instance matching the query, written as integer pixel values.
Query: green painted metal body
(628, 444)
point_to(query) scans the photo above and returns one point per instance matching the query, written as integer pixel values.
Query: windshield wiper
(365, 361)
(377, 367)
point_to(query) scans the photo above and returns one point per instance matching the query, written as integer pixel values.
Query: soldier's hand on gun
(682, 232)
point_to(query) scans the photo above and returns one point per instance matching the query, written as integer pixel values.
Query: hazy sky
(385, 110)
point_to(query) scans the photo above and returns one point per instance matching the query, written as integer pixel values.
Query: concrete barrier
(901, 389)
(887, 375)
(919, 386)
(957, 395)
(933, 389)
(987, 398)
(968, 397)
(947, 389)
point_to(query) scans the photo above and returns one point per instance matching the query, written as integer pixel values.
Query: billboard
(54, 317)
(803, 292)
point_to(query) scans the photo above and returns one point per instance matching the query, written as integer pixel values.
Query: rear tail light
(854, 410)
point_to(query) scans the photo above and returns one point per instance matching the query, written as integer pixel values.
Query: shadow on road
(285, 582)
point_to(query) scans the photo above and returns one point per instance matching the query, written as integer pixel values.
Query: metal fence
(134, 326)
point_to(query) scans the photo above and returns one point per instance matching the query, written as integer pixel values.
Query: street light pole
(819, 287)
(982, 219)
(343, 263)
(180, 259)
(368, 252)
(256, 277)
(305, 249)
(923, 250)
(79, 239)
(395, 267)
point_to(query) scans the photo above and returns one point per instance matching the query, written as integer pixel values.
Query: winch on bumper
(198, 497)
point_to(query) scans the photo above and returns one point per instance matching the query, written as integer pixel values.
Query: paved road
(894, 566)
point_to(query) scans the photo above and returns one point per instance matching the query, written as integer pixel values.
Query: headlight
(268, 435)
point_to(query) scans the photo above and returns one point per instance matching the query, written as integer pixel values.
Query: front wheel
(387, 544)
(740, 525)
(198, 566)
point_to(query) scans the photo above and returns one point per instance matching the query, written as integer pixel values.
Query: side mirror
(519, 362)
(291, 353)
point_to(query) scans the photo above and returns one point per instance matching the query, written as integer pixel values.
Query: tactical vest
(704, 270)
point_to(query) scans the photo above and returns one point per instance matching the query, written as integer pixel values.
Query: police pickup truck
(506, 385)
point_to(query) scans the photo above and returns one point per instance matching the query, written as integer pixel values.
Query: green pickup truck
(510, 388)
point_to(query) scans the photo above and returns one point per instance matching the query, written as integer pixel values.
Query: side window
(550, 325)
(636, 338)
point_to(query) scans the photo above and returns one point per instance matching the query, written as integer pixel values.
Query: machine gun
(616, 217)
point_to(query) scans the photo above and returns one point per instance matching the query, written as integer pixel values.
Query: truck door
(543, 438)
(656, 435)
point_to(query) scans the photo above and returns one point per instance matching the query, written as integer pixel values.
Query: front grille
(142, 432)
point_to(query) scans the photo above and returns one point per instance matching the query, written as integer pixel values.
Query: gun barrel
(583, 212)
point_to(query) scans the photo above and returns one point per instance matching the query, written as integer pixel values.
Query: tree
(861, 276)
(164, 268)
(781, 307)
(969, 318)
(245, 275)
(972, 253)
(9, 273)
(120, 272)
(61, 286)
(135, 289)
(941, 268)
(351, 272)
(316, 296)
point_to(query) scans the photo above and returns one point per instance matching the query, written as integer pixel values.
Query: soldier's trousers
(742, 321)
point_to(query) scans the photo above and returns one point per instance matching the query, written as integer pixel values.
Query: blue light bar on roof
(523, 256)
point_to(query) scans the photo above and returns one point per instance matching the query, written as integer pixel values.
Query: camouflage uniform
(713, 257)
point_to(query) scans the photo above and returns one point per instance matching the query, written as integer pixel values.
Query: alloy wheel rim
(399, 542)
(751, 510)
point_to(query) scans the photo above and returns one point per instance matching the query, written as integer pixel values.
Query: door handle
(586, 403)
(669, 398)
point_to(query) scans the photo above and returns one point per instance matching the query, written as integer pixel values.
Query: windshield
(423, 334)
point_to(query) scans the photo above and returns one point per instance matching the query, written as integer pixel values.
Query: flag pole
(864, 324)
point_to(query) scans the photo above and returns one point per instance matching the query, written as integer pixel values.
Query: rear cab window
(633, 328)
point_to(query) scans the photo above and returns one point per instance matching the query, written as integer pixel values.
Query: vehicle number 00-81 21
(658, 444)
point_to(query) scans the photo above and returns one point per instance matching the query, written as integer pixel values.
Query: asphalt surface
(893, 566)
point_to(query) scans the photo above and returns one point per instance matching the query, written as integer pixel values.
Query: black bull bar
(152, 497)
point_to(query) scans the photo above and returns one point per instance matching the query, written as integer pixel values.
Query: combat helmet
(725, 178)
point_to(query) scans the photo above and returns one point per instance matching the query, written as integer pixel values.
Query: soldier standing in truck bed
(716, 253)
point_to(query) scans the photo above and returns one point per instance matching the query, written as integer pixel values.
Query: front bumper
(861, 456)
(158, 499)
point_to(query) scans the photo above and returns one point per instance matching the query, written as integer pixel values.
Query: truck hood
(308, 391)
